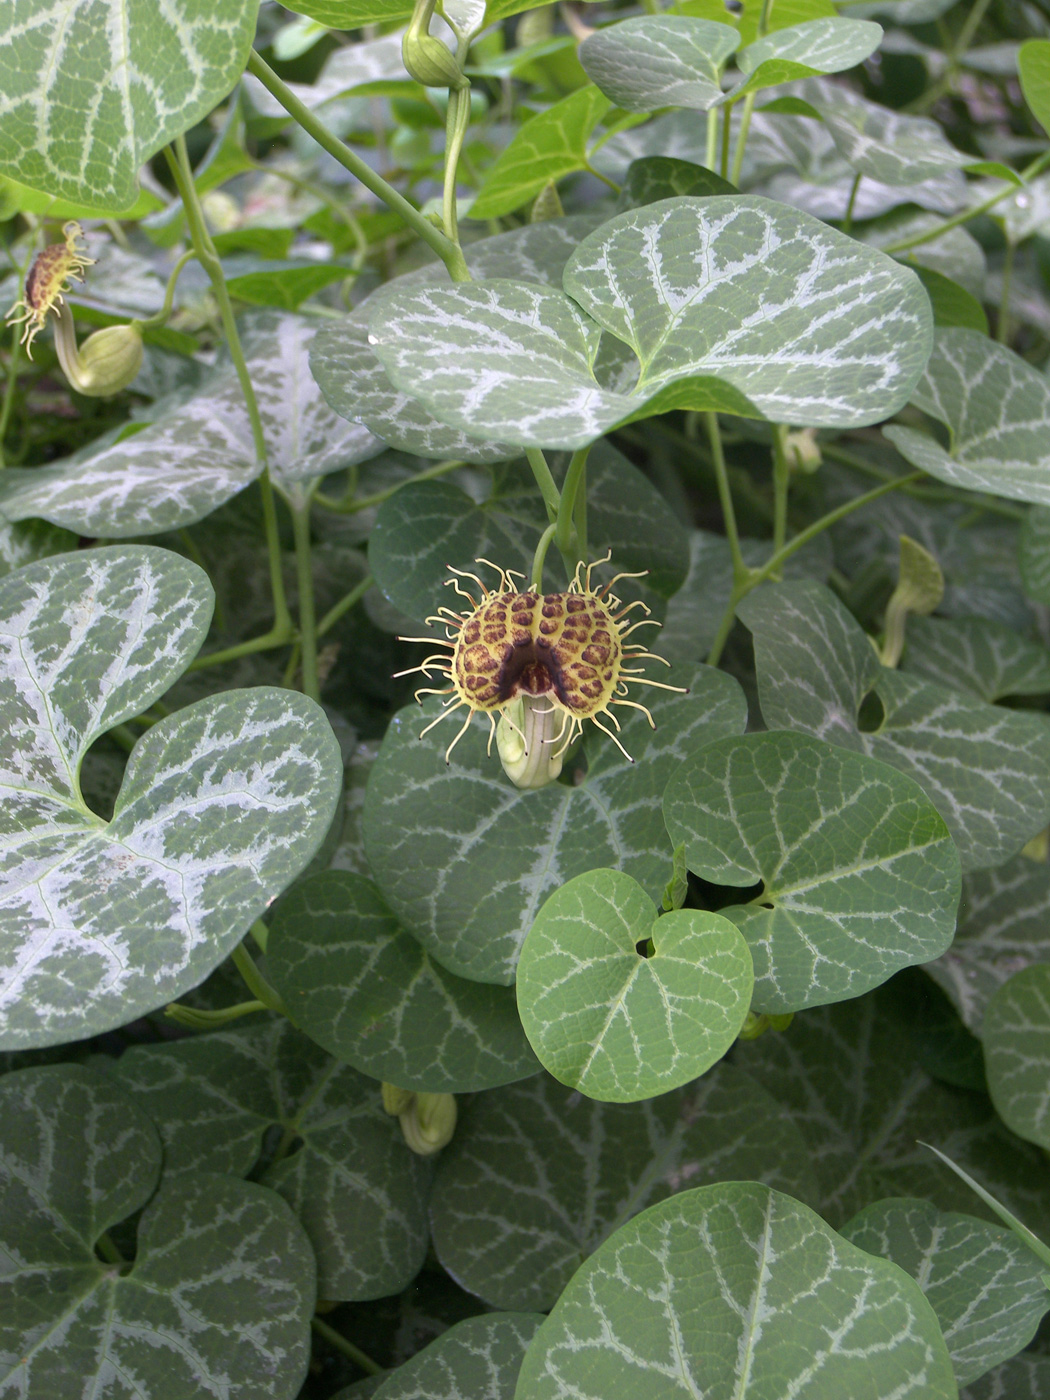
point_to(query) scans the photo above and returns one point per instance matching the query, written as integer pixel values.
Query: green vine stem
(573, 492)
(350, 503)
(1002, 329)
(344, 605)
(182, 173)
(741, 139)
(545, 481)
(725, 496)
(337, 1340)
(781, 485)
(269, 642)
(457, 120)
(925, 491)
(540, 558)
(160, 318)
(307, 610)
(930, 235)
(779, 557)
(197, 1020)
(954, 54)
(256, 982)
(13, 363)
(847, 222)
(449, 253)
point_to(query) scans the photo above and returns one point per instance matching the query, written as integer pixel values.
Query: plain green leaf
(845, 1074)
(538, 1176)
(93, 88)
(976, 655)
(617, 1023)
(198, 454)
(221, 806)
(284, 284)
(478, 1358)
(1004, 925)
(465, 859)
(660, 61)
(982, 766)
(859, 875)
(362, 987)
(983, 1284)
(952, 305)
(547, 147)
(736, 1289)
(733, 303)
(1016, 1038)
(996, 408)
(1025, 1377)
(1033, 65)
(355, 1185)
(218, 1301)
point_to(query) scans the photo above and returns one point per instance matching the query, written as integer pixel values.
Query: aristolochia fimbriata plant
(542, 662)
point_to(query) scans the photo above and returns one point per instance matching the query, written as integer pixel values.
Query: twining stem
(781, 485)
(932, 491)
(256, 982)
(456, 122)
(449, 252)
(351, 503)
(160, 318)
(540, 558)
(109, 1251)
(545, 481)
(565, 526)
(196, 1020)
(725, 496)
(182, 173)
(340, 1343)
(741, 137)
(847, 222)
(1002, 330)
(307, 609)
(344, 605)
(777, 559)
(1028, 173)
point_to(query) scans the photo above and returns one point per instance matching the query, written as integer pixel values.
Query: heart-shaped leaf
(736, 1289)
(92, 88)
(829, 45)
(218, 1300)
(981, 765)
(845, 1074)
(621, 1004)
(734, 303)
(876, 141)
(660, 61)
(859, 875)
(222, 803)
(976, 655)
(996, 408)
(479, 1357)
(362, 987)
(199, 453)
(357, 1188)
(1004, 925)
(984, 1285)
(464, 859)
(572, 1170)
(1016, 1039)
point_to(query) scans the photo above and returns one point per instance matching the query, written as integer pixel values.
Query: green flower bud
(397, 1101)
(528, 741)
(429, 1124)
(107, 361)
(428, 61)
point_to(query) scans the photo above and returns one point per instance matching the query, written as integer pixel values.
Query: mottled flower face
(567, 649)
(48, 279)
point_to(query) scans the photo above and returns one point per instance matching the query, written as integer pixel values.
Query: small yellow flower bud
(803, 450)
(107, 361)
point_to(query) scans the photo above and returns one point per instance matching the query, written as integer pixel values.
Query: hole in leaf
(644, 948)
(872, 714)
